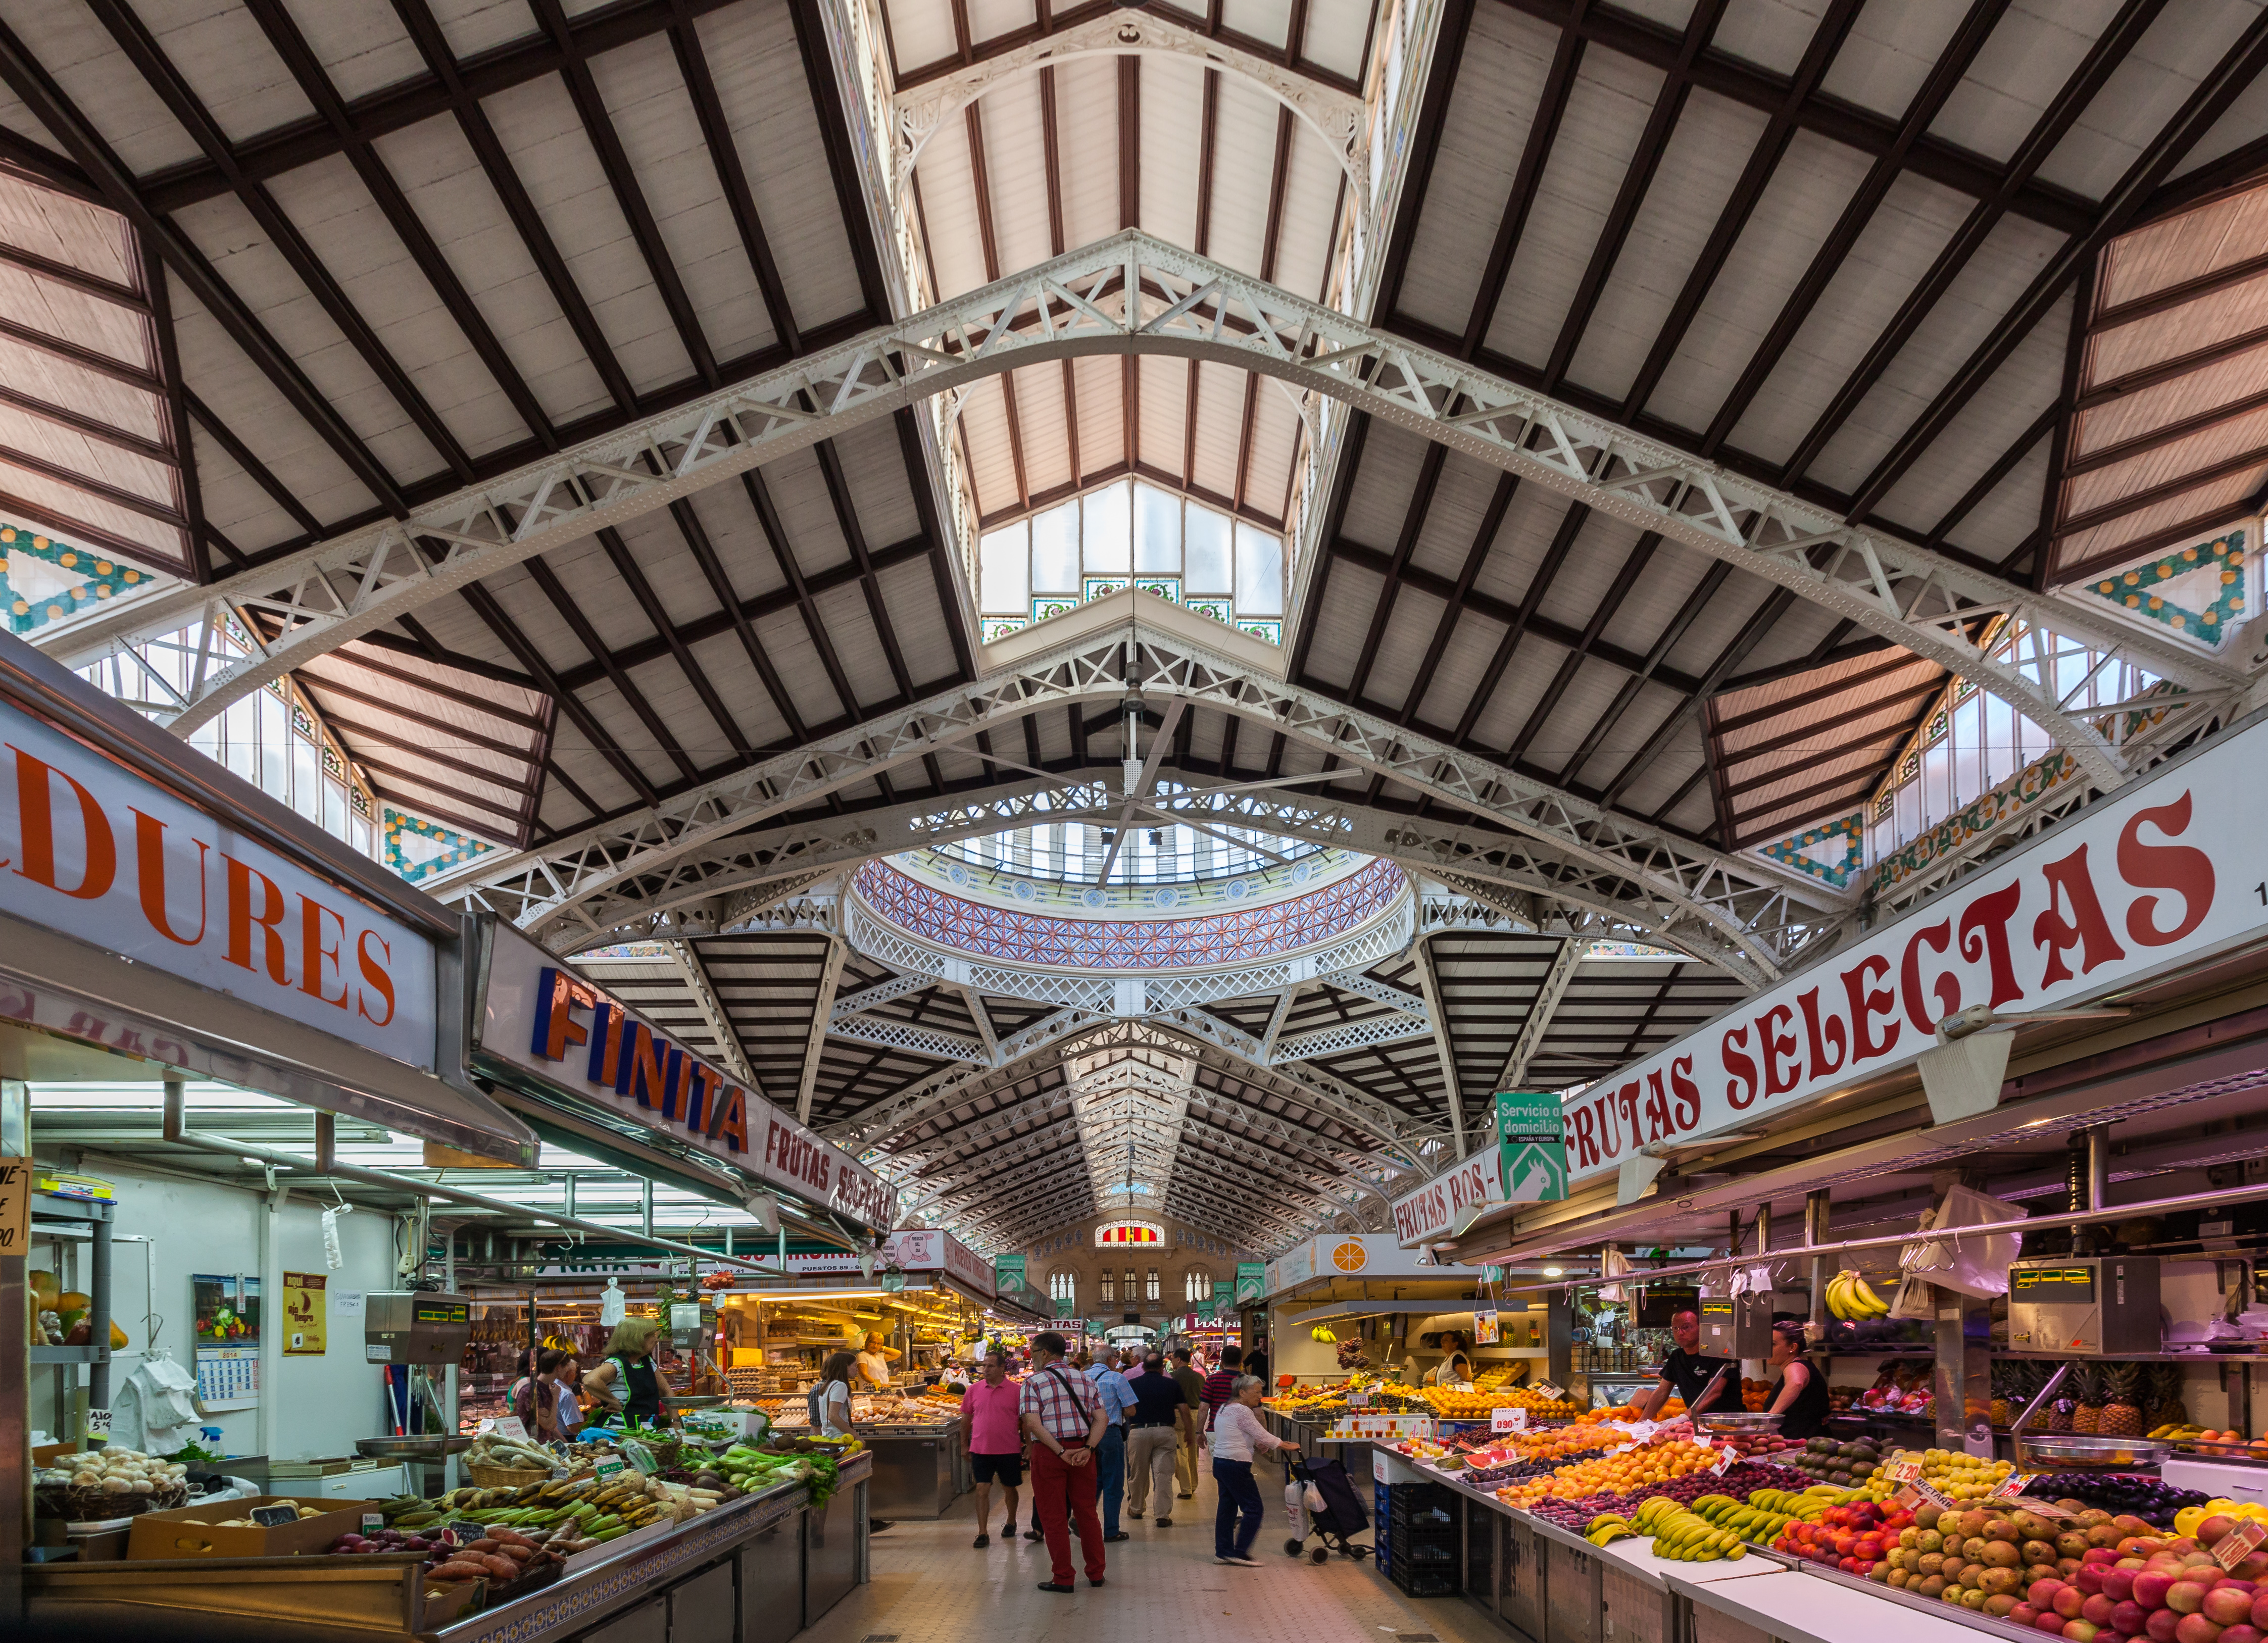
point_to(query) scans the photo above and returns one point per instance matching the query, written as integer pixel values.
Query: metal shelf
(71, 1354)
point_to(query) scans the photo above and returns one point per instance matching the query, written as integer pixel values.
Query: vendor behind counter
(625, 1381)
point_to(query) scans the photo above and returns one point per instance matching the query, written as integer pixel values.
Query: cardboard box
(45, 1455)
(195, 1531)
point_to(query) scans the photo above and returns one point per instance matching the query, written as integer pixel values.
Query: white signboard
(914, 1251)
(570, 1033)
(2130, 887)
(1433, 1209)
(94, 850)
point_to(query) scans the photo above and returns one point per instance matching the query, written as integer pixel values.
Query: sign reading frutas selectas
(538, 1018)
(96, 852)
(1531, 1147)
(1433, 1209)
(2166, 875)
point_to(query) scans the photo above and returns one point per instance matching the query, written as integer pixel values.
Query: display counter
(917, 1469)
(726, 1576)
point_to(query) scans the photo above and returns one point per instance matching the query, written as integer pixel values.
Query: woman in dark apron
(1799, 1396)
(625, 1380)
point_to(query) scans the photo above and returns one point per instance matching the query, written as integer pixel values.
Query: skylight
(1132, 531)
(1074, 852)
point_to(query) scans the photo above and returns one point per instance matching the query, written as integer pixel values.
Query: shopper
(1155, 1433)
(830, 1403)
(1221, 1385)
(1185, 1460)
(1799, 1396)
(626, 1382)
(990, 1430)
(1237, 1434)
(1062, 1415)
(1111, 1455)
(528, 1396)
(1686, 1373)
(566, 1405)
(831, 1399)
(1255, 1364)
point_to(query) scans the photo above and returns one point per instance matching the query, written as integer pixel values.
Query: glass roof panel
(1074, 851)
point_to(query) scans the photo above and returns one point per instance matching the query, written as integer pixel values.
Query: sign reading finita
(541, 1024)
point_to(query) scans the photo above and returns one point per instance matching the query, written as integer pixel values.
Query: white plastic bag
(1976, 1266)
(1612, 1264)
(614, 1306)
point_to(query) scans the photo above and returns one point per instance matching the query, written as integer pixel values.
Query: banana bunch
(1683, 1536)
(1608, 1528)
(1319, 1333)
(1810, 1505)
(1751, 1520)
(1848, 1297)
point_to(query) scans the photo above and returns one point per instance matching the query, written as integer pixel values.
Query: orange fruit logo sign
(1349, 1256)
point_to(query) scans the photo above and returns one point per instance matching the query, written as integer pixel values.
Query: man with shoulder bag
(1063, 1416)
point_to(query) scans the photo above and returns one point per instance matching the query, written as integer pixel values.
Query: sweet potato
(518, 1554)
(457, 1569)
(485, 1545)
(502, 1568)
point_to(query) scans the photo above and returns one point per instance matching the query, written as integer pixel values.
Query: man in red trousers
(1062, 1414)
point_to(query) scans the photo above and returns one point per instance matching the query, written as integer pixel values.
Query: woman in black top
(1799, 1393)
(625, 1380)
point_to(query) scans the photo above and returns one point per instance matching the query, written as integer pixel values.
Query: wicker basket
(506, 1476)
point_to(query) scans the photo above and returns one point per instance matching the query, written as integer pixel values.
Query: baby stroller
(1322, 1503)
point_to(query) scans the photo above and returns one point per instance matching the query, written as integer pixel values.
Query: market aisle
(930, 1586)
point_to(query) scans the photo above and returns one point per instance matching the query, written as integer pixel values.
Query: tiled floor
(930, 1586)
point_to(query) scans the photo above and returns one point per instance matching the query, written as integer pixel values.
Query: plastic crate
(1384, 1537)
(1426, 1582)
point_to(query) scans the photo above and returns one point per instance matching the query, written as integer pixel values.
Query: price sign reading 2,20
(15, 1204)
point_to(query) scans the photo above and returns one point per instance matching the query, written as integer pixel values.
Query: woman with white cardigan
(1236, 1434)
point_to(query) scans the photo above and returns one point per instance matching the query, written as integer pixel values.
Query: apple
(2053, 1624)
(2185, 1597)
(2080, 1630)
(2129, 1618)
(2260, 1610)
(2023, 1615)
(2097, 1608)
(2197, 1629)
(2100, 1556)
(2241, 1633)
(2118, 1584)
(2041, 1594)
(2069, 1601)
(2226, 1605)
(2210, 1531)
(2162, 1624)
(2087, 1577)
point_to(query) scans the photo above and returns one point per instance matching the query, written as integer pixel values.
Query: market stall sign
(1433, 1209)
(542, 1020)
(921, 1250)
(1502, 1418)
(99, 853)
(15, 1204)
(1531, 1144)
(1007, 1274)
(2130, 887)
(1484, 1326)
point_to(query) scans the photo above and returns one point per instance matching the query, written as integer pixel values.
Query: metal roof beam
(1538, 1021)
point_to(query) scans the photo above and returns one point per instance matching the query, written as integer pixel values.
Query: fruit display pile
(1448, 1404)
(1831, 1460)
(2152, 1500)
(1852, 1537)
(1680, 1535)
(1959, 1477)
(2107, 1583)
(1763, 1445)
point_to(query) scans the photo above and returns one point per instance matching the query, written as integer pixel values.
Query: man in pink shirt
(991, 1428)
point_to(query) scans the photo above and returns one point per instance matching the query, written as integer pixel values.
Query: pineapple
(2166, 1406)
(2003, 1378)
(2122, 1403)
(2088, 1416)
(2060, 1411)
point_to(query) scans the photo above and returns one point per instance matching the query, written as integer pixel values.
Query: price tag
(608, 1466)
(2237, 1544)
(559, 1473)
(1513, 1420)
(372, 1522)
(1358, 1400)
(1546, 1390)
(98, 1423)
(274, 1516)
(2047, 1509)
(15, 1204)
(2013, 1484)
(1904, 1467)
(1725, 1462)
(512, 1427)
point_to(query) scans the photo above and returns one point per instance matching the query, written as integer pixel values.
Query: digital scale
(416, 1326)
(2094, 1306)
(1736, 1326)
